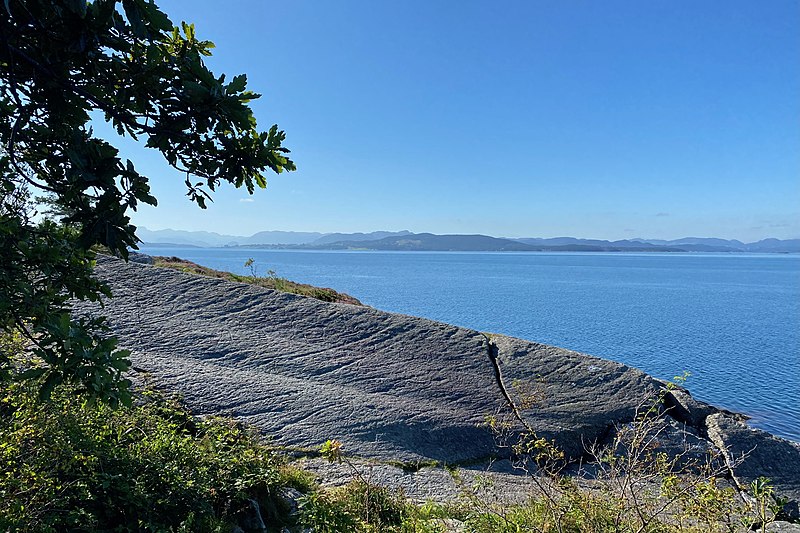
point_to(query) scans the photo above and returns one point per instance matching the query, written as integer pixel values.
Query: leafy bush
(72, 465)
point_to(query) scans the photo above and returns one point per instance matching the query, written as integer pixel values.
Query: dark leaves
(63, 61)
(237, 85)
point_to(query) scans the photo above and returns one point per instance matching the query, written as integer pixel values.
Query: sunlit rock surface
(388, 386)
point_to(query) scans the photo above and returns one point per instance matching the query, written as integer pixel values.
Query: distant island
(429, 242)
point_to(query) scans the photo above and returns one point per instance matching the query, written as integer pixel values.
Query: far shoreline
(291, 248)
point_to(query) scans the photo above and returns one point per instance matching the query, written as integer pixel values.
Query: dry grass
(270, 282)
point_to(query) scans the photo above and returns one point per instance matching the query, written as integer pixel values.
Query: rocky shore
(396, 389)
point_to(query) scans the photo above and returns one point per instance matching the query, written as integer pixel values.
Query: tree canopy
(63, 64)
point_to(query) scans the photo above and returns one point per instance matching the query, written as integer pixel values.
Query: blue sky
(608, 120)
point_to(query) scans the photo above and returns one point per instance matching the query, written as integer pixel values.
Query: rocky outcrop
(568, 397)
(388, 386)
(136, 257)
(752, 453)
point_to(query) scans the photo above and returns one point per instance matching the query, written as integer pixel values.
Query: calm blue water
(732, 321)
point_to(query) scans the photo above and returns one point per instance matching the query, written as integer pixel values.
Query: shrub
(69, 464)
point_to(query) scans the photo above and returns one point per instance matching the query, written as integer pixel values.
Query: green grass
(271, 281)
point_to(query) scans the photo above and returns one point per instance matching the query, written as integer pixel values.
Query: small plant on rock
(358, 506)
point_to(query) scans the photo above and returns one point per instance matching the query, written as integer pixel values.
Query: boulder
(249, 518)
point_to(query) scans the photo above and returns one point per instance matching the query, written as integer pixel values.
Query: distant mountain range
(408, 241)
(430, 242)
(213, 240)
(687, 244)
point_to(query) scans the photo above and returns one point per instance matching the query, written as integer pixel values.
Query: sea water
(732, 321)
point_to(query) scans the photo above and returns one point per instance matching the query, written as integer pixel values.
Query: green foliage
(63, 62)
(67, 465)
(40, 271)
(767, 504)
(332, 451)
(358, 506)
(297, 478)
(327, 513)
(361, 506)
(12, 346)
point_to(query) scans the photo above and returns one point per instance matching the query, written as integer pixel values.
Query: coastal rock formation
(752, 453)
(388, 386)
(566, 396)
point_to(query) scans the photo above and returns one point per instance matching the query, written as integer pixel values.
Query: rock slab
(388, 386)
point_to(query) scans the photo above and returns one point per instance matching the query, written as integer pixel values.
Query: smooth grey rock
(304, 371)
(426, 484)
(569, 397)
(491, 481)
(388, 386)
(753, 453)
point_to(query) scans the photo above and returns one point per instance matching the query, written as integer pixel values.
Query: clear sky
(611, 120)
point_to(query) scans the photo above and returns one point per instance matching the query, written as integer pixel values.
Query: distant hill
(406, 240)
(687, 244)
(562, 241)
(774, 245)
(484, 243)
(170, 245)
(699, 241)
(571, 244)
(182, 238)
(358, 237)
(208, 239)
(280, 237)
(431, 242)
